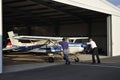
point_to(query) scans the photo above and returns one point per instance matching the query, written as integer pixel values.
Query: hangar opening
(50, 18)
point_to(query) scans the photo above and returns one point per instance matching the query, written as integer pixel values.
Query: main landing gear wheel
(50, 59)
(77, 59)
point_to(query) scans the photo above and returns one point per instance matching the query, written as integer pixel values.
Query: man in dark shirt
(64, 45)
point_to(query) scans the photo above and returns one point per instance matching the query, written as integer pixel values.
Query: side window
(78, 41)
(71, 40)
(25, 41)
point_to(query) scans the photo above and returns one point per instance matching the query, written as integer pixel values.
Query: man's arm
(88, 43)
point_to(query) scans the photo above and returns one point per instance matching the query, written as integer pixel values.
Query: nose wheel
(75, 57)
(51, 58)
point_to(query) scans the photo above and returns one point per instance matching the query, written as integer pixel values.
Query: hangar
(93, 18)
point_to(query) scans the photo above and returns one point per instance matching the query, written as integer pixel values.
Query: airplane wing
(45, 38)
(41, 37)
(78, 37)
(37, 38)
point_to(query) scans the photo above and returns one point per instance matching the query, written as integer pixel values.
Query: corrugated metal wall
(115, 35)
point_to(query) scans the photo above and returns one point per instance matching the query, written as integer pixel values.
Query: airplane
(41, 44)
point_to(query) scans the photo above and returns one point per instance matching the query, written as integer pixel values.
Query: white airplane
(40, 44)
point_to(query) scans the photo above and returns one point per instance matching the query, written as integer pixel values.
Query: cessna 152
(40, 44)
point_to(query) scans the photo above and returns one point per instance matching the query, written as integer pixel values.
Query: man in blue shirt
(64, 45)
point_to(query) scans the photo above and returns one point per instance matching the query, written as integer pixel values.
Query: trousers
(65, 52)
(95, 53)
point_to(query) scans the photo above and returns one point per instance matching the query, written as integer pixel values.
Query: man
(64, 45)
(94, 50)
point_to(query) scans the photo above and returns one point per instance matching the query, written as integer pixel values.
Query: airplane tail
(9, 45)
(12, 39)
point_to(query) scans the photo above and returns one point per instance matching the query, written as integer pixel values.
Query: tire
(50, 59)
(77, 60)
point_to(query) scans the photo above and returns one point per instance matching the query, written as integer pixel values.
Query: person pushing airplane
(64, 45)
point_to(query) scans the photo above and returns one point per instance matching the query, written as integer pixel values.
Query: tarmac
(24, 67)
(17, 65)
(109, 69)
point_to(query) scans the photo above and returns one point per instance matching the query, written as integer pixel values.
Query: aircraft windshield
(78, 41)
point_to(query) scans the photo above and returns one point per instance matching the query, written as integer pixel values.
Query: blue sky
(115, 2)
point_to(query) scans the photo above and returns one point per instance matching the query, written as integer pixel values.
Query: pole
(0, 36)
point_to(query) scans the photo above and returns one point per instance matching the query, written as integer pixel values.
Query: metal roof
(46, 12)
(102, 6)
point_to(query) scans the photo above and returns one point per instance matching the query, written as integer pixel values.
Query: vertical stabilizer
(12, 39)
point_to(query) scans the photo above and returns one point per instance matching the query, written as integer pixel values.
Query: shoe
(64, 58)
(99, 62)
(67, 63)
(93, 63)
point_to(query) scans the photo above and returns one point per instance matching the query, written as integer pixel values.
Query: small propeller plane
(40, 44)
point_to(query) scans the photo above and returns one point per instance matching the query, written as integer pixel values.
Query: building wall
(98, 32)
(115, 35)
(42, 30)
(74, 30)
(96, 5)
(35, 30)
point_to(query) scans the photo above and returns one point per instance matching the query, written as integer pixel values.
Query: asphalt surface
(109, 69)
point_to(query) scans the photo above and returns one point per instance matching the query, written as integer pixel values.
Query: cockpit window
(78, 41)
(70, 40)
